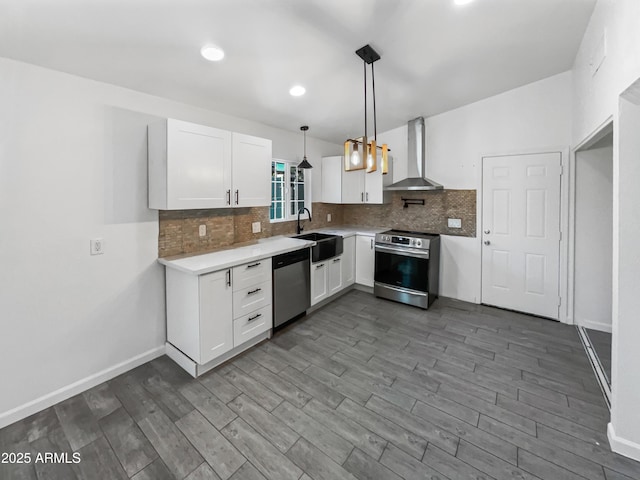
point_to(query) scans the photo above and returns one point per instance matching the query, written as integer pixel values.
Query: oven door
(402, 268)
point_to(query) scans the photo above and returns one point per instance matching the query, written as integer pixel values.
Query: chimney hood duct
(417, 156)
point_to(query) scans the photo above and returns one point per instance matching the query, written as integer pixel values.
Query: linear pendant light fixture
(359, 153)
(305, 163)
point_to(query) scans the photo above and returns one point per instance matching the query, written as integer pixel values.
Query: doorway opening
(593, 246)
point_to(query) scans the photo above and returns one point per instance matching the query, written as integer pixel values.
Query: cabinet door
(251, 171)
(319, 282)
(365, 260)
(335, 275)
(332, 179)
(349, 261)
(373, 188)
(198, 166)
(353, 186)
(216, 315)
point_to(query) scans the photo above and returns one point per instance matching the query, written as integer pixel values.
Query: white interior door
(521, 232)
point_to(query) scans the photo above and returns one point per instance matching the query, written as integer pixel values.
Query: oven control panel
(401, 240)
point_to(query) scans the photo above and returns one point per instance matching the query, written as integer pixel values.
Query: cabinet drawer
(252, 324)
(251, 274)
(251, 298)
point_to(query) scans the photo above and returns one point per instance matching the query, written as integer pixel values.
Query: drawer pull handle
(320, 266)
(229, 278)
(336, 260)
(251, 292)
(250, 319)
(254, 265)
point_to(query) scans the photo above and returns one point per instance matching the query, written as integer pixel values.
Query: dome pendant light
(305, 163)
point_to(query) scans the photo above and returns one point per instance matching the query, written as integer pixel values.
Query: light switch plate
(202, 230)
(328, 217)
(454, 223)
(256, 227)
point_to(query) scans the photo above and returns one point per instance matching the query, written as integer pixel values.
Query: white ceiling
(435, 55)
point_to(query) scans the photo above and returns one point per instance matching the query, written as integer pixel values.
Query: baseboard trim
(68, 391)
(622, 446)
(601, 327)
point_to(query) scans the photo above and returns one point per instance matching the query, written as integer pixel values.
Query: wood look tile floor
(363, 388)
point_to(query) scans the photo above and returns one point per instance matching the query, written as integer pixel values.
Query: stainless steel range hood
(417, 156)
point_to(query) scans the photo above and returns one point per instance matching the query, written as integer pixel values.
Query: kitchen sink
(326, 246)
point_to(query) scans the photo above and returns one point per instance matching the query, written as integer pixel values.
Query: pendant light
(305, 163)
(359, 153)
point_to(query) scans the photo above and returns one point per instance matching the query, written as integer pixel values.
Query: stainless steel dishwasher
(291, 286)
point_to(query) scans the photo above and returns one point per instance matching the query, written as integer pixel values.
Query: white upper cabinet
(251, 171)
(194, 166)
(356, 186)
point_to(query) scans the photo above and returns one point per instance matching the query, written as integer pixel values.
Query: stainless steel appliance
(291, 286)
(407, 267)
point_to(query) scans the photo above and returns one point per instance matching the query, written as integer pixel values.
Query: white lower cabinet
(248, 326)
(365, 259)
(209, 315)
(334, 280)
(319, 282)
(216, 332)
(349, 261)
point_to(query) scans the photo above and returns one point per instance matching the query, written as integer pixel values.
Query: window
(289, 190)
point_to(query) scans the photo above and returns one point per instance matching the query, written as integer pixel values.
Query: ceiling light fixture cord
(375, 120)
(364, 64)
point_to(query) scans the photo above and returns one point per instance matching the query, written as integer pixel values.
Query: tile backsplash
(439, 205)
(226, 226)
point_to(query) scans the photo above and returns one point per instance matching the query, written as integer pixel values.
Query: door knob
(487, 242)
(487, 232)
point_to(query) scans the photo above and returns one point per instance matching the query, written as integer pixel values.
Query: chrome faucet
(299, 228)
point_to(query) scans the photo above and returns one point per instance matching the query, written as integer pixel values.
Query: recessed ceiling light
(212, 53)
(462, 2)
(297, 90)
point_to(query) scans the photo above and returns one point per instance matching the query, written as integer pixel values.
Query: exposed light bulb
(212, 53)
(355, 157)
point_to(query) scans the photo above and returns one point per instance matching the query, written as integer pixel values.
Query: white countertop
(231, 256)
(201, 263)
(349, 231)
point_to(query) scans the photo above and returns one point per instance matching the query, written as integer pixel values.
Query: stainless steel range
(407, 267)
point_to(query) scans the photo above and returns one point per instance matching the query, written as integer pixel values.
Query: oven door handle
(407, 252)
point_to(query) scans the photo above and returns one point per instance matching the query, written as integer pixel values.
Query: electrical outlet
(97, 246)
(454, 223)
(256, 227)
(328, 217)
(202, 230)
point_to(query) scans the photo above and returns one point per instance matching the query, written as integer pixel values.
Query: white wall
(595, 100)
(593, 238)
(73, 167)
(531, 117)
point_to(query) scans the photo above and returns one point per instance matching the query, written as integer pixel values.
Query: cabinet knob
(487, 242)
(487, 232)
